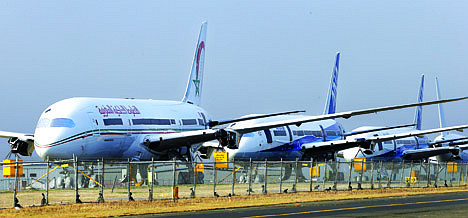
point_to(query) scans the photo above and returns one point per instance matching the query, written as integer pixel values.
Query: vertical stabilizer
(330, 107)
(441, 109)
(418, 114)
(195, 83)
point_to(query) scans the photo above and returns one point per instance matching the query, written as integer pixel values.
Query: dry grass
(119, 208)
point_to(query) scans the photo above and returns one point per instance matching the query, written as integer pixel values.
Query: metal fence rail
(75, 181)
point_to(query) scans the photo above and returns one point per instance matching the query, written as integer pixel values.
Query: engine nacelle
(368, 152)
(228, 139)
(21, 147)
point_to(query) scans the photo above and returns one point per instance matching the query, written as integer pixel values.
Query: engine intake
(227, 138)
(21, 147)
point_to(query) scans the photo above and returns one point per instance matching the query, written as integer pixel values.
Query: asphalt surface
(434, 205)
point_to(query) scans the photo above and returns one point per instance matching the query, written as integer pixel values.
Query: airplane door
(128, 137)
(94, 133)
(417, 142)
(94, 124)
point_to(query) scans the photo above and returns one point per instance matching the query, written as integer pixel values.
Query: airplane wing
(23, 136)
(317, 149)
(420, 154)
(231, 135)
(21, 143)
(171, 141)
(346, 115)
(450, 142)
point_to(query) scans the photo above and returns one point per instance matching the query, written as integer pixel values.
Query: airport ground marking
(356, 208)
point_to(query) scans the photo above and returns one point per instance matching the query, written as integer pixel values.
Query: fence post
(410, 176)
(152, 178)
(195, 179)
(335, 185)
(360, 176)
(402, 172)
(77, 196)
(214, 177)
(428, 171)
(419, 173)
(436, 172)
(101, 192)
(47, 182)
(466, 174)
(372, 175)
(297, 172)
(311, 173)
(380, 174)
(129, 180)
(460, 174)
(250, 177)
(389, 184)
(350, 172)
(445, 176)
(266, 177)
(281, 177)
(16, 182)
(324, 175)
(233, 176)
(174, 172)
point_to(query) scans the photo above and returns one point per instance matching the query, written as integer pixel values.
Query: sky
(261, 56)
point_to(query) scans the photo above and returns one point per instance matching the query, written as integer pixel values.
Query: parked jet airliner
(117, 129)
(316, 140)
(398, 144)
(448, 139)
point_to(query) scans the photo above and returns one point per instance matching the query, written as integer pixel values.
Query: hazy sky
(261, 56)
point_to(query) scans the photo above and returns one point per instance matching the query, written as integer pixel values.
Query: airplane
(399, 144)
(448, 139)
(143, 129)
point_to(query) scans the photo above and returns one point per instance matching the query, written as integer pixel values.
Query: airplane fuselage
(388, 150)
(463, 156)
(94, 128)
(283, 142)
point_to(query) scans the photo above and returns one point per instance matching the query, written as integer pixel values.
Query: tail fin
(195, 83)
(418, 114)
(441, 109)
(330, 107)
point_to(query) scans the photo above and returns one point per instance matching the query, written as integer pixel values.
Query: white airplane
(142, 129)
(448, 139)
(400, 144)
(318, 140)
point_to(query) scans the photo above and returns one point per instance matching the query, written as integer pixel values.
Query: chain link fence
(60, 182)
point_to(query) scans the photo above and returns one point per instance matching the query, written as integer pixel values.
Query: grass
(139, 207)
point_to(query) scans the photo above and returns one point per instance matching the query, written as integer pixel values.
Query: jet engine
(229, 139)
(18, 146)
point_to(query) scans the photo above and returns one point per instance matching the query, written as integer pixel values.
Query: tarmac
(434, 205)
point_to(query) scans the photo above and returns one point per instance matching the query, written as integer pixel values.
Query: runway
(434, 205)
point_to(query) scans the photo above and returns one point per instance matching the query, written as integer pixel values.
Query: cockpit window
(44, 122)
(62, 122)
(250, 134)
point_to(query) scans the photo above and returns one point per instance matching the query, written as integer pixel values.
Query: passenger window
(113, 121)
(189, 122)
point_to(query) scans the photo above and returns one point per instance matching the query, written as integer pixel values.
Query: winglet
(330, 107)
(441, 109)
(195, 82)
(418, 114)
